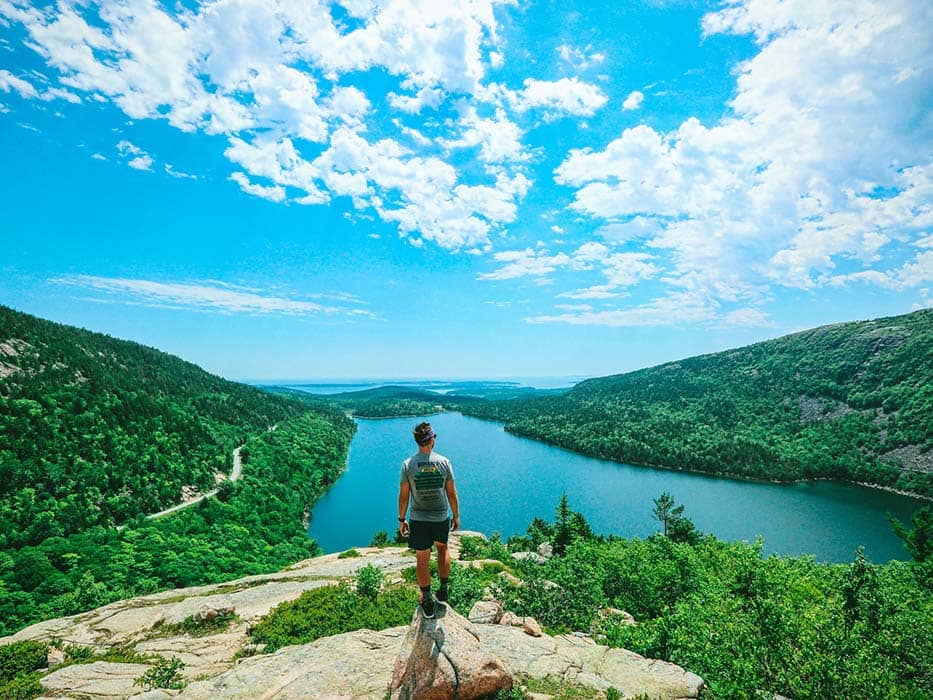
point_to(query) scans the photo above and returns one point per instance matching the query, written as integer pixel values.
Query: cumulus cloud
(823, 159)
(140, 163)
(633, 101)
(208, 295)
(270, 74)
(567, 96)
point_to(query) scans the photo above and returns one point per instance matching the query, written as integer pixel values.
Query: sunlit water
(504, 481)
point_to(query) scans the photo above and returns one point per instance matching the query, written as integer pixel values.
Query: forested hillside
(253, 526)
(851, 401)
(94, 430)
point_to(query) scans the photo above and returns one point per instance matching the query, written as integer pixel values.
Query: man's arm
(404, 490)
(451, 490)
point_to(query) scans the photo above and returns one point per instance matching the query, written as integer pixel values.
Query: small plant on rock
(166, 673)
(369, 581)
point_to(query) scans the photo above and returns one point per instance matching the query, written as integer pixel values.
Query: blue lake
(504, 481)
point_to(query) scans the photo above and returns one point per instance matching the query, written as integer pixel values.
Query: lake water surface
(504, 481)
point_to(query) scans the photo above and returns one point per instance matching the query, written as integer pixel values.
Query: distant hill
(392, 400)
(851, 401)
(95, 430)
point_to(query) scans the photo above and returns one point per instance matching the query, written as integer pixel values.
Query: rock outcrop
(442, 658)
(355, 665)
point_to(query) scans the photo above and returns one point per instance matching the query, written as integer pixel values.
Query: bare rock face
(486, 612)
(101, 680)
(442, 658)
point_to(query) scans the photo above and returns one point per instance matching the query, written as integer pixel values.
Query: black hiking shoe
(442, 594)
(427, 606)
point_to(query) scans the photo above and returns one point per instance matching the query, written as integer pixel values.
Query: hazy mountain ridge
(850, 400)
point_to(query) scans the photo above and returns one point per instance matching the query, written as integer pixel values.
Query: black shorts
(422, 533)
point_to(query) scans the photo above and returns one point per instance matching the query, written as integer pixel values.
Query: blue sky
(274, 189)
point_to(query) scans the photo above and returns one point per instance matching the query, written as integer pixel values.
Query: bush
(23, 688)
(21, 657)
(349, 554)
(165, 674)
(369, 581)
(330, 610)
(201, 627)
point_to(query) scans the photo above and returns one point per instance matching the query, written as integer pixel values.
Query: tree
(919, 539)
(665, 510)
(563, 534)
(677, 527)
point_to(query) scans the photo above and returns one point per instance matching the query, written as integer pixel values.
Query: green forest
(849, 401)
(96, 432)
(750, 626)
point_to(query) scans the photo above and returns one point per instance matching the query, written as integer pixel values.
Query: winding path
(234, 475)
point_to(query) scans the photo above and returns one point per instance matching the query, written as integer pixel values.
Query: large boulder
(441, 658)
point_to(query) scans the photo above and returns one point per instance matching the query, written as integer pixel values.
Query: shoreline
(721, 475)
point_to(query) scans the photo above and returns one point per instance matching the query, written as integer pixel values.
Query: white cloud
(825, 156)
(580, 59)
(141, 163)
(179, 174)
(205, 296)
(498, 138)
(524, 263)
(557, 97)
(270, 74)
(127, 148)
(425, 97)
(98, 156)
(134, 156)
(620, 269)
(273, 193)
(633, 101)
(24, 88)
(676, 308)
(599, 291)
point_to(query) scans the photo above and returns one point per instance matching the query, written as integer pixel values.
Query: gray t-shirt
(427, 474)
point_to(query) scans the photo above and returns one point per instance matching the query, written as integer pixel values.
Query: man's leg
(443, 569)
(423, 567)
(423, 574)
(443, 559)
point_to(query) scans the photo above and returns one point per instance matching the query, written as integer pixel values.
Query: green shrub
(196, 627)
(472, 548)
(349, 554)
(369, 581)
(330, 610)
(24, 687)
(21, 657)
(78, 653)
(166, 673)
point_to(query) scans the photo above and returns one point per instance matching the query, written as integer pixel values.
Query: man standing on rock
(427, 479)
